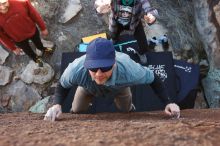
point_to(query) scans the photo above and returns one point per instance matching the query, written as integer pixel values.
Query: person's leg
(115, 36)
(38, 43)
(123, 100)
(141, 38)
(25, 46)
(143, 45)
(81, 101)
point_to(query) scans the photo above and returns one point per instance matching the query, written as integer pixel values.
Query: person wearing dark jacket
(18, 20)
(103, 72)
(127, 15)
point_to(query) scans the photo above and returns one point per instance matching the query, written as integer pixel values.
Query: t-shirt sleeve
(132, 73)
(73, 74)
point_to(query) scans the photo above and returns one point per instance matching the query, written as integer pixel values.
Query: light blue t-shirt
(126, 73)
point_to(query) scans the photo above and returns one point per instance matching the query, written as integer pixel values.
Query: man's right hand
(103, 6)
(173, 110)
(53, 113)
(149, 18)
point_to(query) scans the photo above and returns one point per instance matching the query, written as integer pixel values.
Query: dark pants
(139, 35)
(25, 46)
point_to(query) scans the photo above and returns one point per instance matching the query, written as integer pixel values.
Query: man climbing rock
(103, 72)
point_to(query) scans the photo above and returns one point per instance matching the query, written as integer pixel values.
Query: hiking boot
(39, 62)
(142, 58)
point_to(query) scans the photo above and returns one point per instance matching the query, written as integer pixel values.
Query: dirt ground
(195, 127)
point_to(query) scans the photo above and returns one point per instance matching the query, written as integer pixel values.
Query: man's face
(4, 5)
(101, 77)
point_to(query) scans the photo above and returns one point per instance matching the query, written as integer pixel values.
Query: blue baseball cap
(99, 53)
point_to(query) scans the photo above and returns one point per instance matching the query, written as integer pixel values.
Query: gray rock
(40, 106)
(5, 99)
(5, 75)
(71, 10)
(47, 44)
(35, 74)
(47, 9)
(212, 88)
(3, 55)
(22, 97)
(209, 33)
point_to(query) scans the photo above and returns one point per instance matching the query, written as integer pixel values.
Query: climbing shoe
(48, 50)
(39, 62)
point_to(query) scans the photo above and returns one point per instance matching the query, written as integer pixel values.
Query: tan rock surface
(195, 127)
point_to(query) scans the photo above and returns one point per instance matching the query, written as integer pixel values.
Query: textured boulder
(72, 8)
(35, 74)
(3, 55)
(22, 97)
(5, 75)
(207, 20)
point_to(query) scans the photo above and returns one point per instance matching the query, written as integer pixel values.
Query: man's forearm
(60, 94)
(159, 88)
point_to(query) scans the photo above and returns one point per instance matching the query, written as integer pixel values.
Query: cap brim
(98, 63)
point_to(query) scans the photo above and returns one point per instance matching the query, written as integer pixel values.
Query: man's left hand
(172, 109)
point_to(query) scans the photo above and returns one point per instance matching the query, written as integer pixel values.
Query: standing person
(18, 20)
(126, 15)
(103, 72)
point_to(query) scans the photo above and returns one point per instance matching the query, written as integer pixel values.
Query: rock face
(73, 7)
(35, 74)
(5, 75)
(40, 106)
(207, 20)
(194, 128)
(3, 55)
(22, 97)
(48, 9)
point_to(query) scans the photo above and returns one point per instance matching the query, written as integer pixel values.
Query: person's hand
(102, 6)
(53, 113)
(173, 110)
(149, 18)
(18, 51)
(44, 33)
